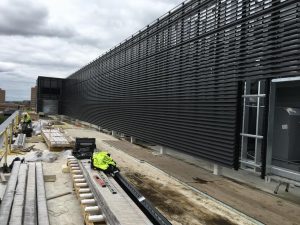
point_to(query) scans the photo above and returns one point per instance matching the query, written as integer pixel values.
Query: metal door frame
(255, 164)
(271, 169)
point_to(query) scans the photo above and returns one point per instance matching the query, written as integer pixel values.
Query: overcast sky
(57, 37)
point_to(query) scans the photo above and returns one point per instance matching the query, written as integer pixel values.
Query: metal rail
(6, 133)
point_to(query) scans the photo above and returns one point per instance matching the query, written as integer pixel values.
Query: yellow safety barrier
(7, 133)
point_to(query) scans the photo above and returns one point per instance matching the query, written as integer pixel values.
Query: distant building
(2, 96)
(33, 98)
(9, 106)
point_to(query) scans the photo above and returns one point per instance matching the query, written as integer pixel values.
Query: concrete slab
(64, 210)
(256, 203)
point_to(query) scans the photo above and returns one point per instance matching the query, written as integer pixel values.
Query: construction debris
(59, 195)
(30, 148)
(45, 156)
(4, 177)
(20, 142)
(35, 139)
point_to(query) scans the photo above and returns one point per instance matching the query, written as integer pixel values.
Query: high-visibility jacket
(26, 118)
(102, 160)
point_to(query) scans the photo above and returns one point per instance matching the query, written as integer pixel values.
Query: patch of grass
(2, 119)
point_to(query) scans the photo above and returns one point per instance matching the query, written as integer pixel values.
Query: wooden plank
(43, 218)
(7, 201)
(49, 178)
(19, 199)
(30, 215)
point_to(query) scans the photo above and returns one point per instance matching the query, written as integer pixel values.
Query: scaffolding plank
(19, 199)
(6, 205)
(30, 214)
(42, 209)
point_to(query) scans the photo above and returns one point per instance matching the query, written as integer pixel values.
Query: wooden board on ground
(56, 140)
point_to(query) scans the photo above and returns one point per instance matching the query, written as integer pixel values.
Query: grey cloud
(2, 70)
(5, 68)
(45, 63)
(26, 18)
(56, 38)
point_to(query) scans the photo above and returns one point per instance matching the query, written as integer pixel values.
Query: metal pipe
(86, 195)
(84, 190)
(75, 168)
(72, 160)
(88, 201)
(81, 185)
(79, 180)
(92, 209)
(77, 171)
(96, 218)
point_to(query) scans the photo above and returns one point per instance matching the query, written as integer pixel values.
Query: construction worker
(26, 119)
(26, 124)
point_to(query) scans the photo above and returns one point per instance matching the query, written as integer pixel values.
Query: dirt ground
(173, 203)
(180, 204)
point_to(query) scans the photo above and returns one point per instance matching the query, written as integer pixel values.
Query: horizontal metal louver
(175, 83)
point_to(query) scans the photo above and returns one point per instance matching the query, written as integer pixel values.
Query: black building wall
(175, 83)
(49, 88)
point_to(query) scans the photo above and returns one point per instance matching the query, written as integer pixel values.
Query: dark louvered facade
(177, 83)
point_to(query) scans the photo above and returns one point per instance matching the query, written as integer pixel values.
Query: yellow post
(11, 136)
(6, 146)
(16, 122)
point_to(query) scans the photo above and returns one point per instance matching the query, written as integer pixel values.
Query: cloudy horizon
(56, 38)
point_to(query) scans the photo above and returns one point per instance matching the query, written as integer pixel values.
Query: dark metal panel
(175, 83)
(49, 88)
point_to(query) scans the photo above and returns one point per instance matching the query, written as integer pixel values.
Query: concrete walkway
(262, 206)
